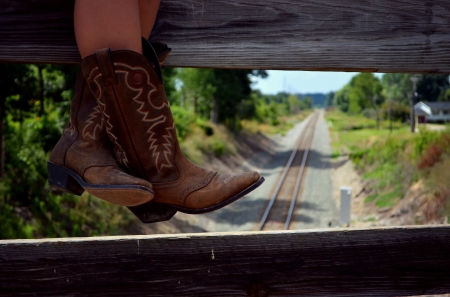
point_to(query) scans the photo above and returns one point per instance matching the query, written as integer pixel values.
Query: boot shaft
(129, 90)
(70, 132)
(83, 142)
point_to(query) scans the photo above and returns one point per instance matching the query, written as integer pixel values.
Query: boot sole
(152, 212)
(66, 180)
(223, 203)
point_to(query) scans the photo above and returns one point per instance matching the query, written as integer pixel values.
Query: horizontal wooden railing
(342, 35)
(342, 262)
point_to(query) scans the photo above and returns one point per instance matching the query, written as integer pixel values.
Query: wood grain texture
(343, 35)
(372, 262)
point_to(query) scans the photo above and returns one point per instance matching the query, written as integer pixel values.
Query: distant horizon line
(306, 93)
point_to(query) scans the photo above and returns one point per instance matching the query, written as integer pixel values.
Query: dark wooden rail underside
(343, 35)
(373, 262)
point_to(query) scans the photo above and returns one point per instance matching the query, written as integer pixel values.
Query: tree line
(365, 93)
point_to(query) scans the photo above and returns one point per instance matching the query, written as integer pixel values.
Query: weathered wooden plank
(343, 35)
(371, 262)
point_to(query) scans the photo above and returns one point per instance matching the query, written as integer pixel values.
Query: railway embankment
(397, 177)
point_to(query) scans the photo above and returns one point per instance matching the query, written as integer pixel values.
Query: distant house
(432, 112)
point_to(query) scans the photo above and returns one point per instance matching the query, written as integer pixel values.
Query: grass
(350, 133)
(393, 161)
(374, 152)
(371, 198)
(335, 153)
(389, 198)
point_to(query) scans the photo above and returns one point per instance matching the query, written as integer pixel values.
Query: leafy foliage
(35, 109)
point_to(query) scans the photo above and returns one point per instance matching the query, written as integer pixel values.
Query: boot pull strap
(161, 50)
(106, 66)
(150, 54)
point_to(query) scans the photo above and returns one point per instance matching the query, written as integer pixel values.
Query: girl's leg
(108, 23)
(147, 13)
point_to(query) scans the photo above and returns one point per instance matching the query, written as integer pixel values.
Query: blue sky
(303, 81)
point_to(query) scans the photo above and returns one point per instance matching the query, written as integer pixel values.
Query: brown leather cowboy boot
(129, 90)
(83, 158)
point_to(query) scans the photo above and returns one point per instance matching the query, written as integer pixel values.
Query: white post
(345, 205)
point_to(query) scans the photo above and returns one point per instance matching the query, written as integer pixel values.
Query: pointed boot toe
(221, 191)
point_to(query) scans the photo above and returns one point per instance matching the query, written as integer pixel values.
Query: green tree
(329, 99)
(294, 104)
(341, 98)
(306, 103)
(17, 88)
(397, 85)
(365, 92)
(431, 86)
(170, 81)
(197, 90)
(221, 95)
(444, 95)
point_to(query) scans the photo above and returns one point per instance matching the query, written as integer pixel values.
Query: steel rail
(280, 184)
(299, 179)
(283, 176)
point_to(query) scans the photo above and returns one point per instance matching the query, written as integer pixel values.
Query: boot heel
(60, 178)
(152, 212)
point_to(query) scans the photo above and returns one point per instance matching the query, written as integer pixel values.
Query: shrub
(218, 147)
(435, 150)
(183, 120)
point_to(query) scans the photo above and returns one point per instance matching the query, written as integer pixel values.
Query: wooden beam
(372, 262)
(344, 35)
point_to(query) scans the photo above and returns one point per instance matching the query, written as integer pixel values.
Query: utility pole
(390, 111)
(214, 113)
(412, 101)
(377, 117)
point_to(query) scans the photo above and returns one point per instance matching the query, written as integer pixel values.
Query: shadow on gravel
(340, 162)
(243, 212)
(310, 206)
(259, 142)
(315, 160)
(318, 160)
(302, 218)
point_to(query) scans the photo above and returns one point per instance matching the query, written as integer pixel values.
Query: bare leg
(117, 24)
(147, 13)
(107, 23)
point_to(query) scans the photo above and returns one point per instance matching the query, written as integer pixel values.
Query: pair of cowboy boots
(126, 102)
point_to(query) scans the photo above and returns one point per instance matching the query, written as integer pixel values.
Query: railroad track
(281, 206)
